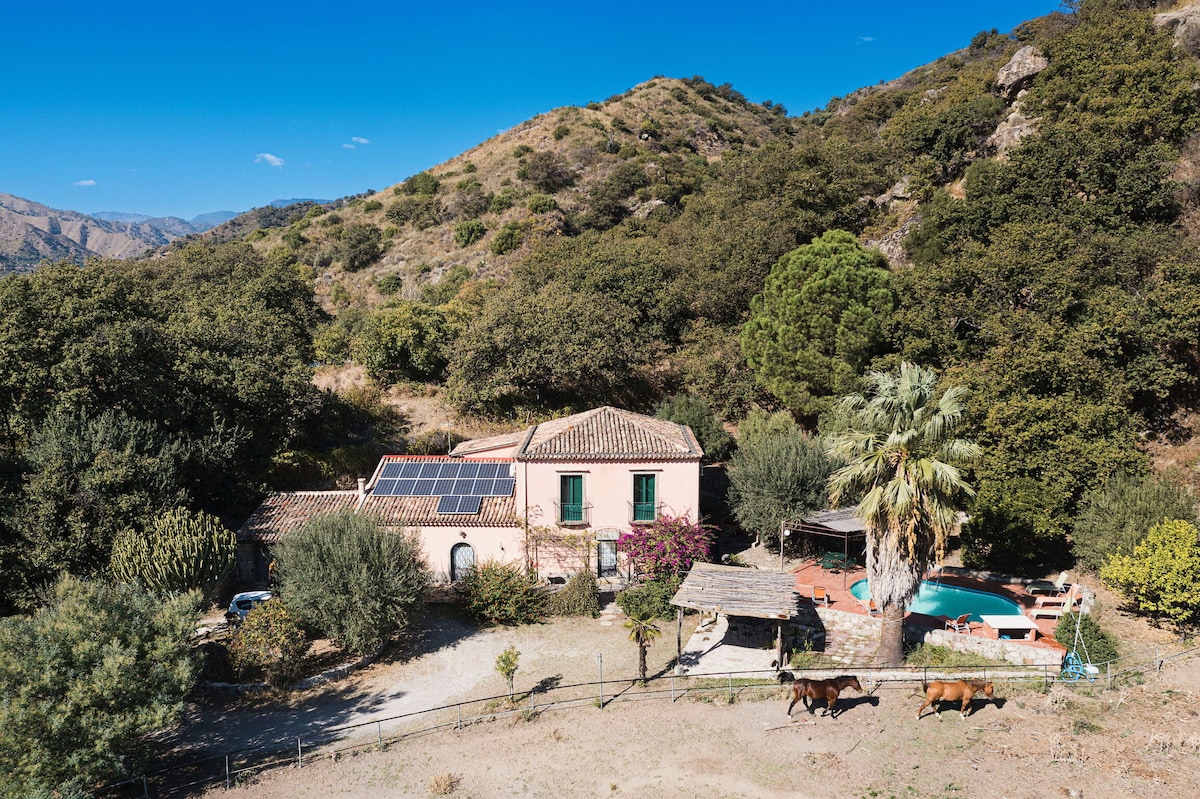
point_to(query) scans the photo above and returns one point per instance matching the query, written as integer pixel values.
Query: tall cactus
(180, 551)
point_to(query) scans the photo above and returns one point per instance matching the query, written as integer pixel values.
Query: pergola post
(678, 637)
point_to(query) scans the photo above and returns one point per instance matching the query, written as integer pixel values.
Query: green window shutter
(571, 498)
(644, 507)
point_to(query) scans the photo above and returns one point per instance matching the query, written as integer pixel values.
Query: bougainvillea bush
(666, 547)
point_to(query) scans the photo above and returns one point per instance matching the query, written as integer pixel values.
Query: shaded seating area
(741, 596)
(834, 540)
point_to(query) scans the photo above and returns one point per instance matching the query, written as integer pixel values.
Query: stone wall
(1011, 651)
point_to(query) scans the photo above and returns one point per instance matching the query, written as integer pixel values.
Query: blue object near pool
(940, 599)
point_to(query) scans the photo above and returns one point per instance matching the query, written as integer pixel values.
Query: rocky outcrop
(1020, 71)
(892, 245)
(1184, 27)
(1014, 128)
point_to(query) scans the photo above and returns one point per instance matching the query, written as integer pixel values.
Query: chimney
(362, 487)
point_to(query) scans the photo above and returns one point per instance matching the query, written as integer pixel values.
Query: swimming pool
(940, 599)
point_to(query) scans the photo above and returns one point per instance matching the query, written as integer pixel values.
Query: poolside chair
(960, 625)
(1056, 587)
(1067, 599)
(873, 609)
(820, 595)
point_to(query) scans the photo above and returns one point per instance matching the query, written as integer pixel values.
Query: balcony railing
(644, 511)
(573, 514)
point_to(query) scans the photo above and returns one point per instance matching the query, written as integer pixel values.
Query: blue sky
(172, 109)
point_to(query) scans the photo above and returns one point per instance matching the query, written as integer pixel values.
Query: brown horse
(806, 689)
(957, 691)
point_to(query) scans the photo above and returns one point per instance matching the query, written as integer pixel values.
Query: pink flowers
(666, 547)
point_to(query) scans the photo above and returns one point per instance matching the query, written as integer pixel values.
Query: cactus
(180, 551)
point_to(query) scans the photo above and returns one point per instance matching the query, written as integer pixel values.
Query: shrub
(508, 238)
(360, 246)
(371, 205)
(271, 640)
(389, 284)
(181, 551)
(545, 171)
(522, 150)
(502, 202)
(420, 183)
(561, 132)
(468, 232)
(502, 593)
(1101, 645)
(652, 598)
(352, 580)
(1116, 516)
(469, 167)
(542, 203)
(1159, 576)
(579, 597)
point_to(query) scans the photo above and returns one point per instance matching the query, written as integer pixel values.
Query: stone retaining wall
(1011, 651)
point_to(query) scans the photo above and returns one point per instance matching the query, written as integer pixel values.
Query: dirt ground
(1138, 740)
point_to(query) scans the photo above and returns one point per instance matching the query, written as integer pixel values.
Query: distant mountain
(208, 221)
(168, 224)
(294, 200)
(31, 232)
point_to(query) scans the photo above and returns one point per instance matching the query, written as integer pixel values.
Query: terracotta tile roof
(285, 511)
(611, 434)
(491, 442)
(422, 512)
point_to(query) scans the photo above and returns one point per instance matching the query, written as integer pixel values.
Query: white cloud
(359, 140)
(865, 39)
(348, 146)
(85, 183)
(273, 160)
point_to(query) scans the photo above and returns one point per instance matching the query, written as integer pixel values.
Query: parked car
(244, 602)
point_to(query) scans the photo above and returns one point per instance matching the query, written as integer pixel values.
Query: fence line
(177, 779)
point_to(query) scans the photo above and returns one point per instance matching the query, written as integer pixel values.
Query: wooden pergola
(737, 591)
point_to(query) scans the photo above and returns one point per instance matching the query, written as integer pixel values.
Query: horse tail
(924, 687)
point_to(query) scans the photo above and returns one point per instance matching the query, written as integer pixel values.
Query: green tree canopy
(404, 341)
(84, 680)
(774, 478)
(696, 414)
(1115, 516)
(819, 321)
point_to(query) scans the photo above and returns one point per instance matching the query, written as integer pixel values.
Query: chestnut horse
(957, 691)
(806, 689)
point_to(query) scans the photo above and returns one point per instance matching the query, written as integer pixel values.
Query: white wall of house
(608, 490)
(503, 544)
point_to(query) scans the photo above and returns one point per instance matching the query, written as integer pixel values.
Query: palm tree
(903, 470)
(642, 631)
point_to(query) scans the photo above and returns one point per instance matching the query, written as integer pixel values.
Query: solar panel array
(459, 485)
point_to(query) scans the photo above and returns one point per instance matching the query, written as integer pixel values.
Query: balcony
(644, 511)
(572, 514)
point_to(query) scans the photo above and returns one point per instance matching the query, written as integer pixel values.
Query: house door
(462, 558)
(606, 558)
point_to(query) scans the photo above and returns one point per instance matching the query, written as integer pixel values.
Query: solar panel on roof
(462, 487)
(430, 470)
(410, 469)
(456, 504)
(468, 470)
(504, 487)
(404, 487)
(488, 469)
(481, 488)
(443, 487)
(390, 471)
(385, 488)
(423, 488)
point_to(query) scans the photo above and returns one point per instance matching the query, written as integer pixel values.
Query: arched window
(462, 558)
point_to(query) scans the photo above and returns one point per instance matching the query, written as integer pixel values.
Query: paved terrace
(837, 583)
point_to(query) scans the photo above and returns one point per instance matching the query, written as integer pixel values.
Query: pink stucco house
(553, 497)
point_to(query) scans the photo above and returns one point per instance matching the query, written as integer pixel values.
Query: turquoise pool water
(939, 599)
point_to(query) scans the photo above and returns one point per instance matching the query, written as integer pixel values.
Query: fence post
(228, 784)
(459, 725)
(600, 660)
(379, 732)
(731, 687)
(299, 753)
(672, 688)
(145, 788)
(1108, 674)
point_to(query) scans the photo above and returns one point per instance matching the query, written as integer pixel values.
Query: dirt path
(1140, 740)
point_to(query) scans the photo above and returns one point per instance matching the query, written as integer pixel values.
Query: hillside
(558, 174)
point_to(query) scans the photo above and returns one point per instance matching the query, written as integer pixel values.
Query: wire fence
(236, 766)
